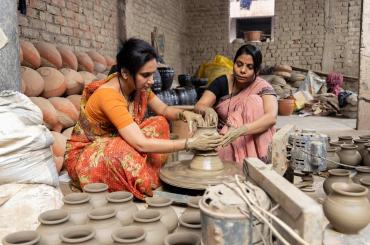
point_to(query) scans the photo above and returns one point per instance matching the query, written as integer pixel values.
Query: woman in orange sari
(244, 106)
(112, 142)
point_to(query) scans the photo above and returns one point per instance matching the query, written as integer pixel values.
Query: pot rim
(54, 217)
(68, 234)
(119, 196)
(118, 237)
(187, 224)
(348, 146)
(153, 216)
(361, 141)
(158, 201)
(363, 169)
(193, 201)
(365, 181)
(33, 237)
(336, 143)
(342, 188)
(366, 136)
(339, 172)
(345, 137)
(188, 237)
(367, 144)
(332, 149)
(95, 187)
(72, 198)
(102, 213)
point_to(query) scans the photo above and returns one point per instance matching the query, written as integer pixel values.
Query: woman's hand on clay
(204, 142)
(193, 119)
(210, 117)
(232, 134)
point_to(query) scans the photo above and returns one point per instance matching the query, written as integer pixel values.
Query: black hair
(253, 51)
(133, 54)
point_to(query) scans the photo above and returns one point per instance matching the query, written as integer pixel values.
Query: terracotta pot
(50, 56)
(76, 101)
(87, 76)
(365, 181)
(55, 84)
(349, 155)
(365, 137)
(285, 107)
(122, 202)
(103, 220)
(85, 63)
(67, 113)
(31, 57)
(366, 160)
(336, 175)
(182, 238)
(33, 81)
(22, 237)
(69, 59)
(100, 64)
(78, 205)
(190, 222)
(110, 61)
(331, 154)
(149, 220)
(361, 172)
(361, 146)
(68, 132)
(347, 139)
(133, 235)
(79, 234)
(163, 205)
(52, 223)
(49, 113)
(74, 80)
(97, 192)
(59, 145)
(347, 207)
(252, 36)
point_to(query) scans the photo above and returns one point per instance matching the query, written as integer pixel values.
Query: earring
(124, 75)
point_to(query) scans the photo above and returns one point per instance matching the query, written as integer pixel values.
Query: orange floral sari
(99, 154)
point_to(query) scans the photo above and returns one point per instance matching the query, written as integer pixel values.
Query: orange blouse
(107, 105)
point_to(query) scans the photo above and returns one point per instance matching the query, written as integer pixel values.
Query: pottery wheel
(180, 174)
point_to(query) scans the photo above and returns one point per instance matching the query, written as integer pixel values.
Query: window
(251, 15)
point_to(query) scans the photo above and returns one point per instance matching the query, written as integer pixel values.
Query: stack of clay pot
(98, 217)
(54, 77)
(284, 80)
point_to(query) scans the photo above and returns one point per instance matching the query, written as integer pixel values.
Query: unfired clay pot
(190, 222)
(331, 154)
(336, 144)
(366, 160)
(104, 221)
(168, 214)
(122, 202)
(52, 223)
(336, 175)
(365, 181)
(347, 207)
(346, 139)
(22, 237)
(77, 205)
(361, 146)
(184, 238)
(349, 155)
(365, 137)
(97, 192)
(79, 234)
(361, 172)
(149, 220)
(132, 235)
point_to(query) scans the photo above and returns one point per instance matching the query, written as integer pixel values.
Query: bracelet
(181, 116)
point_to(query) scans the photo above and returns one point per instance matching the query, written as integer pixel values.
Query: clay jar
(349, 155)
(331, 154)
(77, 205)
(366, 160)
(182, 238)
(52, 223)
(132, 235)
(336, 175)
(122, 202)
(79, 234)
(347, 207)
(361, 172)
(346, 139)
(361, 146)
(286, 107)
(97, 192)
(190, 222)
(22, 237)
(168, 214)
(103, 220)
(149, 220)
(365, 181)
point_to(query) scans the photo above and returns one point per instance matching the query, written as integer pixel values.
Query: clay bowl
(285, 107)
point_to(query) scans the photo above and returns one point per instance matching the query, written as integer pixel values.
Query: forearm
(171, 113)
(161, 145)
(200, 108)
(260, 125)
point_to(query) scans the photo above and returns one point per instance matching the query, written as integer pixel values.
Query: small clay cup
(336, 175)
(22, 238)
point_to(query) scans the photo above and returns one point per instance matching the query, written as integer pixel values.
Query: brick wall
(80, 24)
(299, 34)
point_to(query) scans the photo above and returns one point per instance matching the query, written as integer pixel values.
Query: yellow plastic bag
(219, 66)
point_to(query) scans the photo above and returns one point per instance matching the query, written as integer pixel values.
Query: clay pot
(190, 222)
(69, 59)
(79, 234)
(121, 201)
(59, 146)
(110, 61)
(347, 139)
(85, 63)
(97, 192)
(367, 137)
(349, 155)
(50, 56)
(361, 146)
(52, 223)
(74, 80)
(33, 82)
(182, 238)
(347, 207)
(76, 101)
(361, 172)
(285, 107)
(336, 144)
(365, 181)
(149, 220)
(133, 235)
(49, 113)
(87, 76)
(66, 111)
(336, 175)
(252, 36)
(55, 84)
(22, 237)
(77, 205)
(100, 64)
(68, 132)
(167, 74)
(366, 160)
(157, 82)
(103, 220)
(168, 214)
(331, 154)
(31, 57)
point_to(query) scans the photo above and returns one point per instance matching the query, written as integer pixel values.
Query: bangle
(186, 144)
(181, 116)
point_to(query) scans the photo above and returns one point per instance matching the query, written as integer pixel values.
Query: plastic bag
(313, 84)
(219, 66)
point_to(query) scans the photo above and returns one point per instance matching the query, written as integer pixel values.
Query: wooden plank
(321, 73)
(299, 211)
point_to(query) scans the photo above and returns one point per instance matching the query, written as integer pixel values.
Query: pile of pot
(98, 217)
(348, 194)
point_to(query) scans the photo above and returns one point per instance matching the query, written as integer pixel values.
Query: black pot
(167, 74)
(157, 85)
(184, 80)
(198, 82)
(182, 95)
